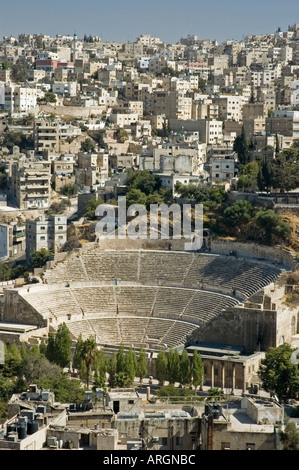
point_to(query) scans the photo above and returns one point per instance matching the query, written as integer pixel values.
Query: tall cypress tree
(197, 370)
(141, 365)
(185, 373)
(241, 147)
(63, 345)
(130, 365)
(50, 352)
(161, 367)
(173, 366)
(121, 361)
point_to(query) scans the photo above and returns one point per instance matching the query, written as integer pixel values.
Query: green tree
(89, 354)
(141, 370)
(69, 190)
(42, 347)
(77, 356)
(121, 135)
(121, 360)
(50, 97)
(264, 176)
(278, 373)
(100, 369)
(17, 138)
(135, 196)
(40, 257)
(130, 365)
(185, 371)
(5, 65)
(144, 180)
(161, 367)
(63, 343)
(290, 436)
(6, 271)
(173, 366)
(272, 224)
(13, 360)
(241, 147)
(65, 389)
(19, 71)
(241, 212)
(112, 369)
(197, 370)
(50, 350)
(91, 205)
(36, 366)
(88, 146)
(122, 379)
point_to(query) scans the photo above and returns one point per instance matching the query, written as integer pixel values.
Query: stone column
(233, 378)
(222, 376)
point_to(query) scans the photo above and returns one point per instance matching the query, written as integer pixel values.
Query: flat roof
(13, 327)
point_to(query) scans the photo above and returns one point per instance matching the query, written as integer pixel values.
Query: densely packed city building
(79, 119)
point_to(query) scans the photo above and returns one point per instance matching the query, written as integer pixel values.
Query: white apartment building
(230, 106)
(124, 120)
(211, 131)
(50, 234)
(65, 88)
(16, 98)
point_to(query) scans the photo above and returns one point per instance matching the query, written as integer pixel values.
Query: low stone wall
(254, 198)
(253, 250)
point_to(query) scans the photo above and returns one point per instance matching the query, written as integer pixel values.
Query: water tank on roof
(32, 426)
(45, 395)
(22, 429)
(41, 409)
(30, 414)
(11, 428)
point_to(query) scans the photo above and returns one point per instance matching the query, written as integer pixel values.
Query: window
(178, 441)
(250, 446)
(225, 445)
(163, 441)
(131, 402)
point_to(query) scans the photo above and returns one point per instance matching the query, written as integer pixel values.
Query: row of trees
(174, 367)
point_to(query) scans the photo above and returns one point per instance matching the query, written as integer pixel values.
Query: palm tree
(89, 355)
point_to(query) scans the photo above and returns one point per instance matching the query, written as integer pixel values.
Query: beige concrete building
(30, 184)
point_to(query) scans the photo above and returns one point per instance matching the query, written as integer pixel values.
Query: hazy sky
(125, 20)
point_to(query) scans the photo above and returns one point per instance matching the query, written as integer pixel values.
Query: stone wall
(254, 198)
(17, 310)
(252, 250)
(71, 111)
(239, 326)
